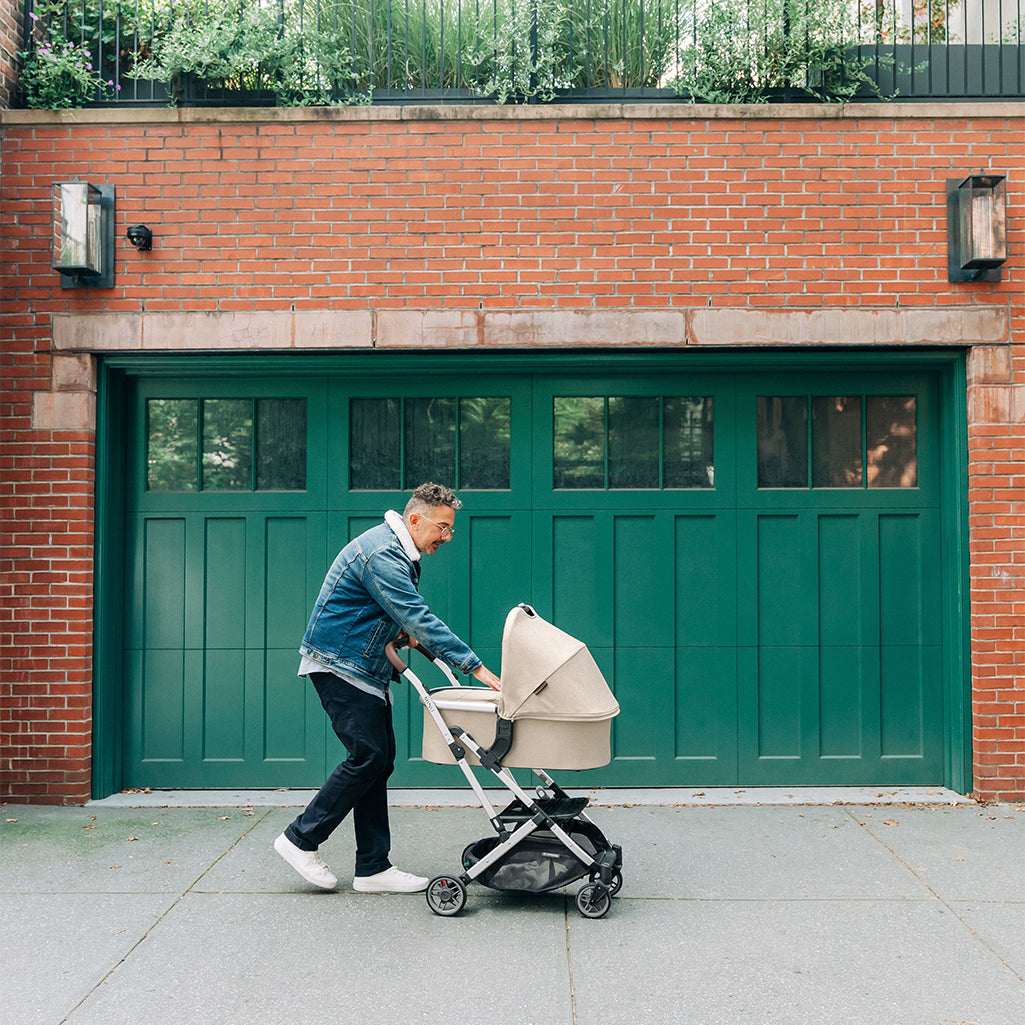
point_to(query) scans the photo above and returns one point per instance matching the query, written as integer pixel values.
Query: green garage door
(754, 560)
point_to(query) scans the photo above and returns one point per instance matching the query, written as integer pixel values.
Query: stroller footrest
(561, 809)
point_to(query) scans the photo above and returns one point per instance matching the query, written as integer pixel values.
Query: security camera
(140, 236)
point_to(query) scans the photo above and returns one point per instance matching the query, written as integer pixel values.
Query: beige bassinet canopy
(552, 691)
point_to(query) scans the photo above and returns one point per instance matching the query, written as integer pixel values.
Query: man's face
(430, 531)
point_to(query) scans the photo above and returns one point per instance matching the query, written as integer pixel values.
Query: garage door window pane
(892, 441)
(782, 441)
(375, 445)
(430, 440)
(579, 433)
(484, 438)
(688, 451)
(633, 441)
(281, 444)
(227, 444)
(836, 441)
(172, 444)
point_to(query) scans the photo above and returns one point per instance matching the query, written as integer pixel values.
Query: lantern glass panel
(983, 222)
(77, 215)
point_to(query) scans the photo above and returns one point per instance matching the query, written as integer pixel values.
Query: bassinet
(553, 694)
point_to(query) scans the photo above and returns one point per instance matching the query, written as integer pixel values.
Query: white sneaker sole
(364, 886)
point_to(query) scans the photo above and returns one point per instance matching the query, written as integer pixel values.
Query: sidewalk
(730, 914)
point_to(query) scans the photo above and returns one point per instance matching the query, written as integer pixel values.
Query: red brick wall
(11, 18)
(371, 210)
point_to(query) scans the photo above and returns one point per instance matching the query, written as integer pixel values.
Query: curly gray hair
(429, 496)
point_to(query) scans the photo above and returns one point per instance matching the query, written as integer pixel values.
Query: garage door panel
(496, 548)
(642, 581)
(156, 709)
(223, 723)
(705, 713)
(225, 582)
(841, 559)
(572, 576)
(290, 548)
(906, 713)
(705, 561)
(292, 724)
(908, 580)
(787, 612)
(159, 574)
(843, 695)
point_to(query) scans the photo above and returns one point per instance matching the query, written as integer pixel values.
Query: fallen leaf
(129, 839)
(890, 822)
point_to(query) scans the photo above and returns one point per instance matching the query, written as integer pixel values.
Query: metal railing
(245, 52)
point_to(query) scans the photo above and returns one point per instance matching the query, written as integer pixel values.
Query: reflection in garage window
(484, 441)
(280, 444)
(639, 442)
(836, 441)
(782, 441)
(396, 444)
(579, 426)
(226, 444)
(688, 453)
(892, 441)
(843, 443)
(172, 445)
(430, 439)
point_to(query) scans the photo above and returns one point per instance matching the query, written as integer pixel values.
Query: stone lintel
(284, 330)
(973, 325)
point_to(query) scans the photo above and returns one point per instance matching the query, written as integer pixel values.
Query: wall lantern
(83, 234)
(976, 227)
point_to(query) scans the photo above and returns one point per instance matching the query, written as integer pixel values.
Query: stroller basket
(554, 711)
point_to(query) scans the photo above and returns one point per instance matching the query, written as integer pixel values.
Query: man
(369, 597)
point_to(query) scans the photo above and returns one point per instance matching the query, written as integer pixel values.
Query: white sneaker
(391, 880)
(307, 863)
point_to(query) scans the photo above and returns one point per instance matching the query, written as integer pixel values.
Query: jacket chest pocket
(382, 633)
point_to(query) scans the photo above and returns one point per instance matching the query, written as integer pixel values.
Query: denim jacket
(368, 598)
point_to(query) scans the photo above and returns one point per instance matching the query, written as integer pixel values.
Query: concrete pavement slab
(756, 962)
(963, 854)
(340, 959)
(68, 850)
(1000, 925)
(752, 852)
(56, 948)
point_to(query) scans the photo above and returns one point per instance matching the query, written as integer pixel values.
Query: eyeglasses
(446, 530)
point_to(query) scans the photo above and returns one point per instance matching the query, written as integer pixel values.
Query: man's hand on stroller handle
(485, 675)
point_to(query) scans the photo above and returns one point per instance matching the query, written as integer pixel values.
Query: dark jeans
(360, 784)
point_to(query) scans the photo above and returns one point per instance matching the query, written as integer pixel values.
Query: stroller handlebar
(391, 651)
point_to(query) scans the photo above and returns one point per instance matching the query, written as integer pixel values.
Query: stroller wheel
(446, 895)
(593, 900)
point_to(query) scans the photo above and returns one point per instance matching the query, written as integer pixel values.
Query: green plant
(223, 45)
(752, 54)
(56, 71)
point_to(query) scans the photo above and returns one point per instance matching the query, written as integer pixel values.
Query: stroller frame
(549, 814)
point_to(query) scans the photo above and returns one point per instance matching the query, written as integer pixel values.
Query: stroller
(554, 710)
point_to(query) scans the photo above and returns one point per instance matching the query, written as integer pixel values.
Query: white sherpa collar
(401, 531)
